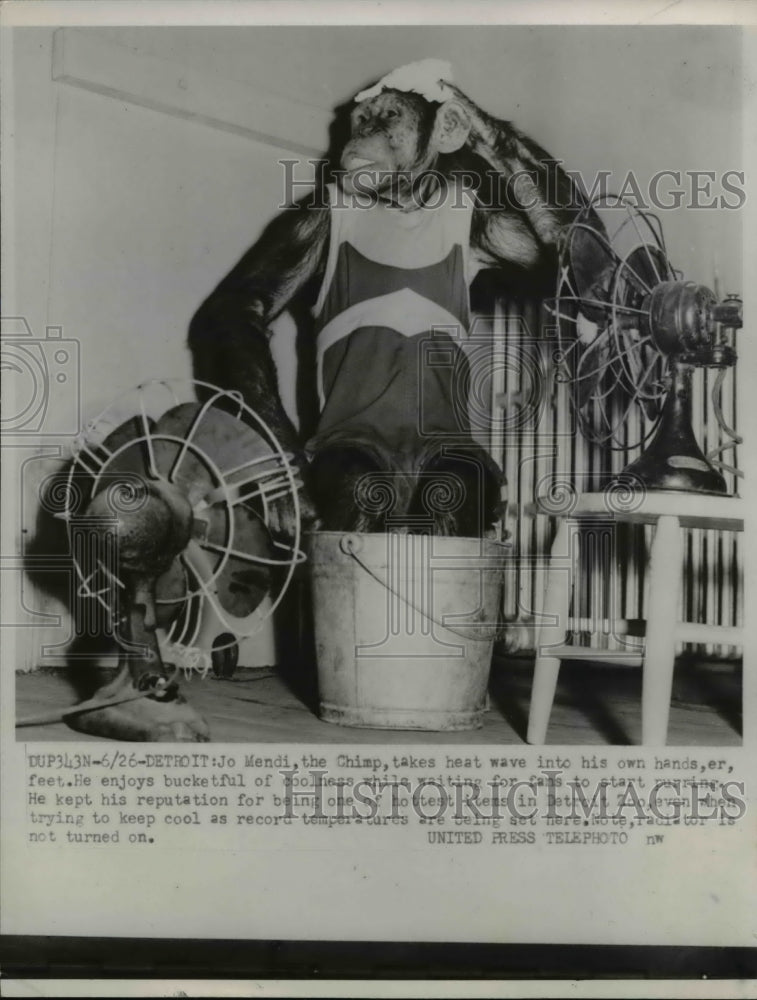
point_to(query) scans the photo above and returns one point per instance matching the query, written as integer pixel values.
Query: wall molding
(80, 59)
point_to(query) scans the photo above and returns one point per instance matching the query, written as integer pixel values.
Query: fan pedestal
(674, 460)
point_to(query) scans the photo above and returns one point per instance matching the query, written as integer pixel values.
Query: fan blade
(592, 266)
(216, 619)
(170, 593)
(226, 440)
(127, 458)
(125, 432)
(640, 272)
(241, 584)
(589, 377)
(181, 460)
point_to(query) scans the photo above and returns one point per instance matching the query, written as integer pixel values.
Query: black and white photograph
(396, 497)
(376, 433)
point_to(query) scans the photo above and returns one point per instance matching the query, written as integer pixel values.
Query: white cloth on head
(424, 77)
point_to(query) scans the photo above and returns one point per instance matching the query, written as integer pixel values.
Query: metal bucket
(404, 628)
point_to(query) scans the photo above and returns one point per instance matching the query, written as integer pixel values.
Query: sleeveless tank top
(390, 317)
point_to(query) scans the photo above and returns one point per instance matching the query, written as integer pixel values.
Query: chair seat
(693, 510)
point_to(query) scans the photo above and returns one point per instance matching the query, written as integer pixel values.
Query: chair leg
(556, 602)
(665, 568)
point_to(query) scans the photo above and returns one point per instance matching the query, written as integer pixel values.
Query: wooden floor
(595, 704)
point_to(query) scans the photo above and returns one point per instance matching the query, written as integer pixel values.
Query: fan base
(683, 473)
(674, 460)
(142, 720)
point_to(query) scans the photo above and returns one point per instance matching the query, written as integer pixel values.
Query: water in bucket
(404, 628)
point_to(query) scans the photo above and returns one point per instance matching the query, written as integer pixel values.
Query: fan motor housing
(681, 318)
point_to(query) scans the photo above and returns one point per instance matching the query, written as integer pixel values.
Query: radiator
(532, 433)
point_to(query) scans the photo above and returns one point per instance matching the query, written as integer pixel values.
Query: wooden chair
(670, 513)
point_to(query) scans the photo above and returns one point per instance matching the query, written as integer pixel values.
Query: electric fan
(631, 333)
(169, 512)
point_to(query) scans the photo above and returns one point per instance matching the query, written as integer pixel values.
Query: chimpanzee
(431, 188)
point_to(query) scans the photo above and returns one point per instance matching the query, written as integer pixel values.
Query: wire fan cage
(607, 352)
(605, 349)
(224, 459)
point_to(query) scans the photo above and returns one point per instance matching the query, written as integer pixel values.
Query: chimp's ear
(452, 127)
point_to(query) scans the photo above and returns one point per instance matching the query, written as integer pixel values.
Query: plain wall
(620, 99)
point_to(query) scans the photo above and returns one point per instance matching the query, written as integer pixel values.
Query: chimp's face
(391, 135)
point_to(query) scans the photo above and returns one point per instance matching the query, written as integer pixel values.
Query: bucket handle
(351, 545)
